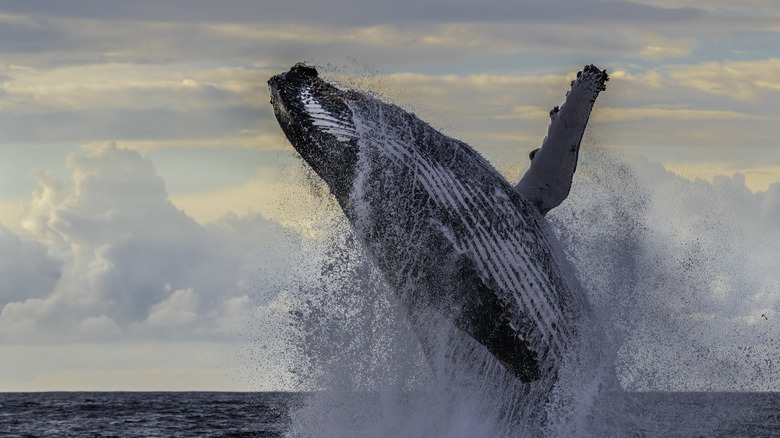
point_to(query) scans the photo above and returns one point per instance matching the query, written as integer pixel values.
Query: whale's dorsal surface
(449, 233)
(548, 180)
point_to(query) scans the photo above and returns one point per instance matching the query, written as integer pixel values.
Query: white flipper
(547, 182)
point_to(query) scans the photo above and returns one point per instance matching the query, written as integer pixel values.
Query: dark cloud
(31, 36)
(355, 13)
(278, 33)
(25, 270)
(127, 124)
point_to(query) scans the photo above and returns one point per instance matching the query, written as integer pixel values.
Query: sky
(153, 218)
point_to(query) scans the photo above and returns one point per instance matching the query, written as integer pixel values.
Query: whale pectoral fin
(488, 319)
(548, 180)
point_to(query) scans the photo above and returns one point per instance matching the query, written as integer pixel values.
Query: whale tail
(548, 181)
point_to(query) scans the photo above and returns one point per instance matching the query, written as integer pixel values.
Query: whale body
(450, 234)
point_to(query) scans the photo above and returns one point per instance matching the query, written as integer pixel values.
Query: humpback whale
(449, 233)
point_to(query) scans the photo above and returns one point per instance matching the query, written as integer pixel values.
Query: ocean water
(264, 415)
(145, 414)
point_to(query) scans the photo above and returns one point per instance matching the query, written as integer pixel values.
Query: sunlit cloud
(745, 6)
(740, 80)
(130, 86)
(758, 178)
(660, 48)
(292, 197)
(680, 114)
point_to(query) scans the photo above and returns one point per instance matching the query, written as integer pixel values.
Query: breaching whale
(449, 233)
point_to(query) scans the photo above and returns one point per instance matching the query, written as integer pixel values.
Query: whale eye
(533, 154)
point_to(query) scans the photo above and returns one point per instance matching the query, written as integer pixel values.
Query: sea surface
(268, 414)
(145, 414)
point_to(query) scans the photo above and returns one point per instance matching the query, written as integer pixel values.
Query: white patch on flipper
(342, 130)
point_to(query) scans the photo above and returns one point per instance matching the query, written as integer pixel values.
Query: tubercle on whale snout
(304, 69)
(596, 77)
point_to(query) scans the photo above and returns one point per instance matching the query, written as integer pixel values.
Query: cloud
(136, 125)
(744, 7)
(25, 270)
(178, 309)
(414, 42)
(505, 117)
(681, 114)
(119, 260)
(475, 108)
(130, 86)
(740, 80)
(153, 365)
(280, 34)
(98, 328)
(141, 76)
(343, 12)
(659, 48)
(290, 195)
(141, 103)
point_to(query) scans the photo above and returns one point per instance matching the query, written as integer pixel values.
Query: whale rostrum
(449, 233)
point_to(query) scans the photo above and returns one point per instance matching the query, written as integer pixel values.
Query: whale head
(316, 118)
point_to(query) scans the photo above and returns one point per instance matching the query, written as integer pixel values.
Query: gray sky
(152, 215)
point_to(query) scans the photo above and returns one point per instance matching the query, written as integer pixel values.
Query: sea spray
(372, 377)
(368, 369)
(631, 232)
(680, 271)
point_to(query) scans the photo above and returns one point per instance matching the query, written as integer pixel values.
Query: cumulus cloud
(25, 269)
(178, 309)
(118, 258)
